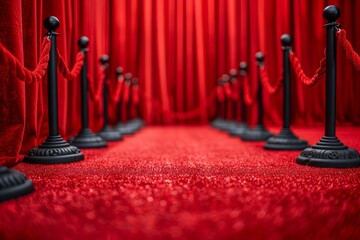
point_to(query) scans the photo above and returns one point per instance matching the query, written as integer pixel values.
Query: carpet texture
(188, 182)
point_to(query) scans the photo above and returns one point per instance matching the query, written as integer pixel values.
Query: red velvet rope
(235, 91)
(346, 46)
(265, 80)
(248, 97)
(227, 90)
(116, 94)
(96, 89)
(135, 95)
(220, 94)
(295, 62)
(126, 94)
(22, 73)
(74, 72)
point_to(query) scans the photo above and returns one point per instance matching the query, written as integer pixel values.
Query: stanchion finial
(104, 59)
(286, 40)
(243, 67)
(128, 76)
(233, 73)
(51, 23)
(331, 13)
(119, 71)
(259, 57)
(83, 42)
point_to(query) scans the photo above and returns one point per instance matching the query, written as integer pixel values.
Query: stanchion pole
(259, 132)
(330, 151)
(286, 140)
(85, 138)
(55, 149)
(107, 132)
(242, 126)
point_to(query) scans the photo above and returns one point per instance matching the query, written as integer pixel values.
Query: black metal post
(286, 140)
(130, 126)
(242, 126)
(55, 149)
(233, 78)
(85, 138)
(137, 120)
(219, 120)
(13, 184)
(243, 72)
(107, 132)
(118, 72)
(226, 125)
(259, 133)
(330, 151)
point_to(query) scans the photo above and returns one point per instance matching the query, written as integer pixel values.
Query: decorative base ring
(285, 140)
(87, 139)
(54, 150)
(258, 133)
(110, 134)
(329, 152)
(13, 184)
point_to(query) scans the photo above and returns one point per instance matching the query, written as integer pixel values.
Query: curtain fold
(178, 49)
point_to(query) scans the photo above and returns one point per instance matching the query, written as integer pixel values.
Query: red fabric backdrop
(178, 49)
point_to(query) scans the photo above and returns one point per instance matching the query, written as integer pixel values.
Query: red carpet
(188, 183)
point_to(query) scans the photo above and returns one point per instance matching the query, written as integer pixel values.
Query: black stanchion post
(137, 120)
(259, 132)
(85, 138)
(129, 127)
(55, 149)
(107, 132)
(219, 118)
(233, 123)
(226, 124)
(120, 126)
(286, 140)
(330, 151)
(13, 184)
(242, 125)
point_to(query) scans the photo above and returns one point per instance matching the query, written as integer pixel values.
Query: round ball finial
(243, 66)
(51, 23)
(128, 76)
(259, 57)
(119, 70)
(104, 59)
(135, 81)
(286, 40)
(83, 42)
(233, 73)
(331, 13)
(225, 77)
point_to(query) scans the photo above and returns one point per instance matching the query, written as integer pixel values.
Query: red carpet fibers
(188, 183)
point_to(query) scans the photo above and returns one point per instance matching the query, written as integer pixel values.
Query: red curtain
(178, 49)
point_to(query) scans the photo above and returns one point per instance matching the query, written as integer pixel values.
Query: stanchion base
(54, 150)
(226, 125)
(124, 129)
(329, 152)
(139, 122)
(285, 140)
(13, 184)
(87, 139)
(110, 134)
(216, 122)
(258, 133)
(240, 129)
